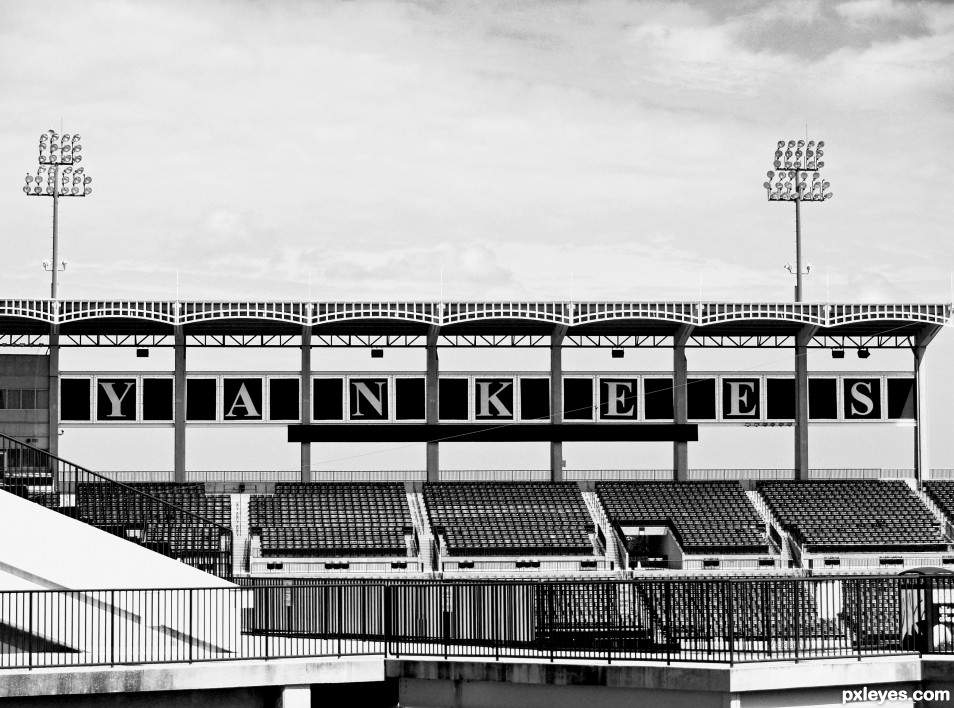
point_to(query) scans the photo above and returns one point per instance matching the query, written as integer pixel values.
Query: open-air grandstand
(555, 567)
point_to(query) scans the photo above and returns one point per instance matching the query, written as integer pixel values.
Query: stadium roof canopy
(608, 324)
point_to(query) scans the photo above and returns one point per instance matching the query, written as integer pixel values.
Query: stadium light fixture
(863, 353)
(796, 178)
(377, 353)
(618, 353)
(837, 353)
(58, 176)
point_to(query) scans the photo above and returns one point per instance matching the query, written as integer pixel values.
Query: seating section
(707, 517)
(510, 518)
(332, 519)
(865, 515)
(174, 519)
(701, 611)
(115, 505)
(941, 493)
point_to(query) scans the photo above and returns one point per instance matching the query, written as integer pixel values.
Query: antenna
(309, 285)
(571, 286)
(442, 287)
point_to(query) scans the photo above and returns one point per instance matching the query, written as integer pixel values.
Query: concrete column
(922, 466)
(431, 387)
(680, 401)
(54, 382)
(556, 400)
(306, 407)
(295, 697)
(180, 404)
(918, 430)
(802, 340)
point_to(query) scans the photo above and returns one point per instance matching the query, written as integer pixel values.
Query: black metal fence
(700, 620)
(115, 507)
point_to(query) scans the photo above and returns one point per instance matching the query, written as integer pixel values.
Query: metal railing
(698, 313)
(671, 620)
(659, 474)
(117, 508)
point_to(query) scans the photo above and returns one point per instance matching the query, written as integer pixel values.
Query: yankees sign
(524, 397)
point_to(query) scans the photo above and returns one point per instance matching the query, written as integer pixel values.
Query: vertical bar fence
(665, 620)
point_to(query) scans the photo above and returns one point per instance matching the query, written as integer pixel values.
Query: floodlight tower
(51, 181)
(58, 152)
(794, 160)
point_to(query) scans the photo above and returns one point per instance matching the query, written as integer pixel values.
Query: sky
(481, 150)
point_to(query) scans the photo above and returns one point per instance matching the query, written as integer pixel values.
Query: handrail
(62, 484)
(672, 619)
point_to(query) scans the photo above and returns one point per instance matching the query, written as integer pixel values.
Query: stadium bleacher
(708, 517)
(941, 492)
(857, 515)
(111, 505)
(510, 518)
(332, 519)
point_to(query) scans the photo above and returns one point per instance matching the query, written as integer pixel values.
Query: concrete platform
(200, 676)
(426, 683)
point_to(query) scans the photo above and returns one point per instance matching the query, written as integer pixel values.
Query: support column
(53, 444)
(180, 405)
(295, 697)
(556, 400)
(680, 401)
(802, 340)
(431, 388)
(922, 467)
(306, 408)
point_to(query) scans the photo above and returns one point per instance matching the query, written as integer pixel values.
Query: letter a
(243, 399)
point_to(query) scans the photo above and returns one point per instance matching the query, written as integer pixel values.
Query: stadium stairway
(422, 527)
(612, 550)
(240, 535)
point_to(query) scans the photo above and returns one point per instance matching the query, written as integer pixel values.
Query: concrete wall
(248, 697)
(533, 684)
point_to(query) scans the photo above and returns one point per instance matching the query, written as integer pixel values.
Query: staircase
(240, 539)
(423, 527)
(612, 551)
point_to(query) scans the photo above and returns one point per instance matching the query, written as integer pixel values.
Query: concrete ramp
(67, 587)
(57, 552)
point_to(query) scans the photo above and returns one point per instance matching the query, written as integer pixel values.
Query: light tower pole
(794, 160)
(57, 177)
(58, 152)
